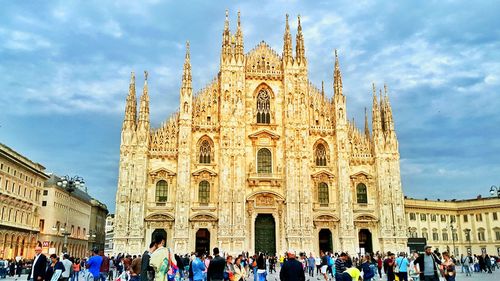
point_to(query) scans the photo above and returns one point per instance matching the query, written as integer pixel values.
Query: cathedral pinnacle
(239, 51)
(226, 38)
(144, 106)
(186, 73)
(287, 43)
(337, 76)
(129, 121)
(367, 131)
(300, 50)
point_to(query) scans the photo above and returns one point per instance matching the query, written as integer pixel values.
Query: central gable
(263, 61)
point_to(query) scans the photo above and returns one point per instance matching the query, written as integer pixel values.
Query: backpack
(330, 261)
(370, 273)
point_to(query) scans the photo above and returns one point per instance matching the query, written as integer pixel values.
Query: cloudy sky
(65, 66)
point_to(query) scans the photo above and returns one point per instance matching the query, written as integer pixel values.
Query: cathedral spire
(323, 88)
(129, 122)
(287, 43)
(299, 49)
(239, 50)
(390, 121)
(367, 131)
(186, 87)
(143, 124)
(337, 77)
(376, 119)
(226, 39)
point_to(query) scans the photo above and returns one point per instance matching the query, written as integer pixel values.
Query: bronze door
(265, 234)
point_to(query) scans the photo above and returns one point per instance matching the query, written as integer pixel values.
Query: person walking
(389, 266)
(368, 270)
(216, 268)
(292, 269)
(324, 265)
(159, 258)
(466, 264)
(147, 272)
(55, 269)
(76, 270)
(427, 265)
(104, 269)
(38, 269)
(412, 271)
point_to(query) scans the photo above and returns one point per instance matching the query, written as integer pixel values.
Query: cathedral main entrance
(365, 240)
(325, 240)
(265, 234)
(202, 241)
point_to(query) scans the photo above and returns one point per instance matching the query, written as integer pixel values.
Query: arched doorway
(365, 240)
(158, 231)
(265, 234)
(202, 241)
(325, 240)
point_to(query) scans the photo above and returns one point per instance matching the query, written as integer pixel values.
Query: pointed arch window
(264, 161)
(323, 193)
(263, 107)
(204, 192)
(161, 191)
(205, 152)
(361, 193)
(320, 155)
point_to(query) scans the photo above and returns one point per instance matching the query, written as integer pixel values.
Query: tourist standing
(198, 268)
(379, 265)
(402, 264)
(55, 269)
(76, 270)
(239, 270)
(340, 264)
(466, 264)
(216, 268)
(147, 272)
(310, 264)
(94, 264)
(368, 272)
(292, 269)
(389, 266)
(413, 270)
(39, 265)
(135, 269)
(229, 269)
(449, 267)
(427, 265)
(159, 258)
(104, 269)
(261, 268)
(324, 265)
(67, 268)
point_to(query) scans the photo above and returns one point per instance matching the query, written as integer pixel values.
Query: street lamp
(453, 238)
(70, 184)
(495, 190)
(467, 233)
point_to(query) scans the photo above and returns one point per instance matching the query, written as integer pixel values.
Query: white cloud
(17, 40)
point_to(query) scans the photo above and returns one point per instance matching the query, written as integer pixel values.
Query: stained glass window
(361, 193)
(161, 191)
(204, 192)
(263, 107)
(323, 193)
(264, 161)
(205, 151)
(320, 155)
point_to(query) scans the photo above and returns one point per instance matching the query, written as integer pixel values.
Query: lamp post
(495, 190)
(453, 238)
(70, 184)
(467, 233)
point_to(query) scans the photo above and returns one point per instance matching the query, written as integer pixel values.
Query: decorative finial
(132, 77)
(145, 75)
(286, 19)
(336, 56)
(227, 14)
(299, 26)
(239, 22)
(385, 89)
(373, 89)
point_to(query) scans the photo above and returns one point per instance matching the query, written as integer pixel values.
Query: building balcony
(274, 179)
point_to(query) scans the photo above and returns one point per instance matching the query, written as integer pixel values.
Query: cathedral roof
(262, 60)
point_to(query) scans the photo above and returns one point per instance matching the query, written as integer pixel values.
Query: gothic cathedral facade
(259, 160)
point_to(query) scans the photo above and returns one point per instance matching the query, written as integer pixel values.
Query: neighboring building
(259, 160)
(457, 226)
(62, 213)
(97, 234)
(108, 244)
(21, 183)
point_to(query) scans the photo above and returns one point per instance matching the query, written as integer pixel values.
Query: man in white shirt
(67, 268)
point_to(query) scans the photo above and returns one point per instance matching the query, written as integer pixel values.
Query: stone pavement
(495, 276)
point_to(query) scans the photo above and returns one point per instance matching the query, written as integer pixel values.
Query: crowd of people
(161, 264)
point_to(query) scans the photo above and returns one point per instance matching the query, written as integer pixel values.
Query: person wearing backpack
(401, 267)
(367, 268)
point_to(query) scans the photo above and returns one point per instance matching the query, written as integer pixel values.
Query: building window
(263, 107)
(320, 155)
(205, 151)
(44, 203)
(45, 192)
(423, 217)
(41, 225)
(466, 218)
(495, 216)
(425, 234)
(204, 192)
(443, 218)
(497, 234)
(413, 216)
(264, 162)
(323, 193)
(480, 235)
(445, 235)
(479, 217)
(161, 191)
(453, 219)
(433, 217)
(361, 193)
(435, 235)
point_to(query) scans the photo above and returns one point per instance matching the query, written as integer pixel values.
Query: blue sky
(65, 66)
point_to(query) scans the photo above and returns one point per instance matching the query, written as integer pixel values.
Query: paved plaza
(495, 276)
